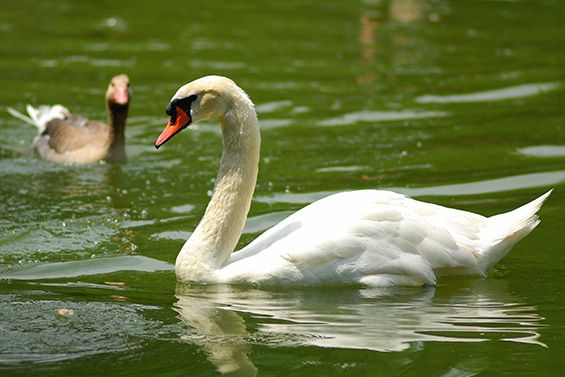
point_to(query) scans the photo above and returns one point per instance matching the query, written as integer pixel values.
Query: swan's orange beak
(179, 123)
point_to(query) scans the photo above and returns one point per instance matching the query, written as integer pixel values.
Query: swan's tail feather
(40, 116)
(503, 231)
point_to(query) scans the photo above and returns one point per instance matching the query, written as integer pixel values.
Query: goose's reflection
(385, 320)
(377, 44)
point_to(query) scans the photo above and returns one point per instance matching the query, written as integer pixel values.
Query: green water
(456, 102)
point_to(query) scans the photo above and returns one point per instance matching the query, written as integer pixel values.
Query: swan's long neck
(217, 234)
(117, 115)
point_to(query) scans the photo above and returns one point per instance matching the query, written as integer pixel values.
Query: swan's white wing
(352, 236)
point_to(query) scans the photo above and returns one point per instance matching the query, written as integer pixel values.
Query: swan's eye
(183, 103)
(170, 109)
(186, 102)
(173, 119)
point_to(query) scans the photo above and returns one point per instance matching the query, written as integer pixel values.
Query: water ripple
(380, 116)
(503, 94)
(269, 107)
(378, 320)
(95, 327)
(88, 267)
(517, 182)
(543, 151)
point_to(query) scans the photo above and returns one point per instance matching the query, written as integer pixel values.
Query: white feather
(44, 114)
(39, 117)
(378, 238)
(16, 114)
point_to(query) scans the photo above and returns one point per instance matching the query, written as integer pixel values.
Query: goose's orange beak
(121, 96)
(175, 125)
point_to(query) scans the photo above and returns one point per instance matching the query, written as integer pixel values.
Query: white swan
(367, 237)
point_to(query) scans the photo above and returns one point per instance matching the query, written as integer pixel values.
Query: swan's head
(119, 92)
(202, 99)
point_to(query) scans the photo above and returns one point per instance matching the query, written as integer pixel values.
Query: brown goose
(67, 138)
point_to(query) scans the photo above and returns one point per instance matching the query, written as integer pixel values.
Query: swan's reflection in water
(220, 331)
(385, 320)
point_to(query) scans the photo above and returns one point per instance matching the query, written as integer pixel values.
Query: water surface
(458, 103)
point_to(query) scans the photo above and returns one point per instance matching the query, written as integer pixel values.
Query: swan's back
(367, 237)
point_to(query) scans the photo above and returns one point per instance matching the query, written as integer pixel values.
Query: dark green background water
(456, 102)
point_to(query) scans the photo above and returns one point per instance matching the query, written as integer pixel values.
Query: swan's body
(369, 237)
(66, 138)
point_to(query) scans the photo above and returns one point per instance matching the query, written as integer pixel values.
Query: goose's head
(202, 99)
(119, 92)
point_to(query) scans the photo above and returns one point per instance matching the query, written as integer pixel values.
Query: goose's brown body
(66, 138)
